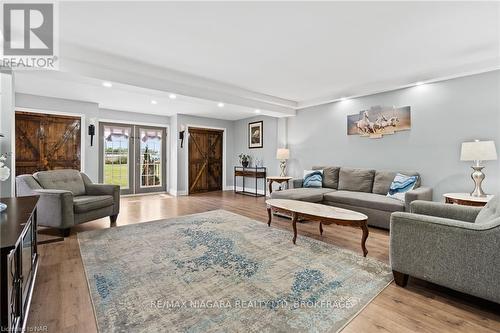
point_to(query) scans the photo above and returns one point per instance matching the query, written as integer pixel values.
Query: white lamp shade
(478, 151)
(282, 154)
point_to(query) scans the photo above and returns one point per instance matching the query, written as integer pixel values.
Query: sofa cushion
(313, 178)
(69, 180)
(383, 180)
(86, 203)
(368, 200)
(330, 176)
(302, 194)
(489, 212)
(358, 180)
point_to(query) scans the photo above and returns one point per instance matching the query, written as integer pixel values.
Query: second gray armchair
(68, 197)
(450, 245)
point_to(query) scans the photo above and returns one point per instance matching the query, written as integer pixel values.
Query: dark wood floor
(61, 300)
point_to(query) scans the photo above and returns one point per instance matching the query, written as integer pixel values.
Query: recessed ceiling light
(343, 98)
(172, 96)
(220, 104)
(257, 111)
(154, 102)
(419, 83)
(107, 84)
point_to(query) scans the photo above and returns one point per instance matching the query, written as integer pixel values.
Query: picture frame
(256, 134)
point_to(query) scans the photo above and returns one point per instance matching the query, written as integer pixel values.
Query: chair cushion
(302, 194)
(489, 212)
(69, 180)
(358, 180)
(330, 176)
(367, 200)
(383, 180)
(86, 203)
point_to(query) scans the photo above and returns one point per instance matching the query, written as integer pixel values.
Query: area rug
(222, 272)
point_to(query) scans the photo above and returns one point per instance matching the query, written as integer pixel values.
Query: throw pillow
(313, 178)
(400, 185)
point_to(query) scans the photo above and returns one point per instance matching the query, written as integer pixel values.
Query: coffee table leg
(321, 228)
(364, 227)
(270, 216)
(294, 224)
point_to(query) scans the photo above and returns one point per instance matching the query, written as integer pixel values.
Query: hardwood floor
(61, 300)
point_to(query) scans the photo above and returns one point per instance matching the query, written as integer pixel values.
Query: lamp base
(478, 177)
(283, 168)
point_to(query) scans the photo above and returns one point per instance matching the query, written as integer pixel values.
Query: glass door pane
(151, 157)
(116, 155)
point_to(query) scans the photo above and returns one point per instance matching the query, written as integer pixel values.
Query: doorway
(205, 159)
(133, 156)
(46, 142)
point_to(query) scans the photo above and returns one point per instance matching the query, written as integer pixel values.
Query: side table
(466, 199)
(279, 180)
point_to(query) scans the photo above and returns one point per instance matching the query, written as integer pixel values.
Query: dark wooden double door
(46, 142)
(205, 160)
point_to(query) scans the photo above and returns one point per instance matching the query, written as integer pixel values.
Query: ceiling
(275, 56)
(124, 97)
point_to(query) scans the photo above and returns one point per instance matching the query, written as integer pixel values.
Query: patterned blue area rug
(222, 272)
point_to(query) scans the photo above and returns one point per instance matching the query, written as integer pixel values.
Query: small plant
(244, 159)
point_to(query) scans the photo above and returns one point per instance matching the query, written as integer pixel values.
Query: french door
(133, 156)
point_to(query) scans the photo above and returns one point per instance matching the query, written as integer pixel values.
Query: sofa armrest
(420, 193)
(454, 212)
(105, 189)
(26, 185)
(456, 254)
(55, 208)
(297, 182)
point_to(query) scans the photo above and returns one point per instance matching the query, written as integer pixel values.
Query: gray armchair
(68, 197)
(450, 245)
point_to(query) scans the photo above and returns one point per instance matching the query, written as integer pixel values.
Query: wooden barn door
(46, 142)
(205, 160)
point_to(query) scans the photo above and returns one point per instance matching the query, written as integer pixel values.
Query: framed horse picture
(379, 121)
(256, 134)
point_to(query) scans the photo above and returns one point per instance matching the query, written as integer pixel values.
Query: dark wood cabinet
(19, 261)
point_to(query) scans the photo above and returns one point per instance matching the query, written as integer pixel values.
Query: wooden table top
(278, 178)
(467, 197)
(18, 212)
(314, 209)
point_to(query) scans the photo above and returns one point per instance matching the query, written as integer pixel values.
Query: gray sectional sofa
(361, 190)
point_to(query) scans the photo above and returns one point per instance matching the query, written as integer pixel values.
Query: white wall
(274, 137)
(7, 104)
(91, 112)
(444, 114)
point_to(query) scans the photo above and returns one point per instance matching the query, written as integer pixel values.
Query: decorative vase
(2, 207)
(245, 164)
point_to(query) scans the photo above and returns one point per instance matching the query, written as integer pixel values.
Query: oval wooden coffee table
(321, 213)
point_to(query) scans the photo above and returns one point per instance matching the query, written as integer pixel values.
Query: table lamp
(283, 154)
(478, 151)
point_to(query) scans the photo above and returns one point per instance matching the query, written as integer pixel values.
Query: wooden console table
(255, 173)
